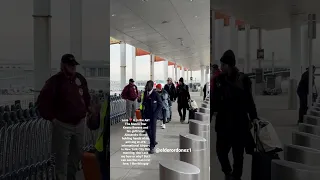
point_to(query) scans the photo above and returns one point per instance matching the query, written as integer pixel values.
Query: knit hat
(181, 80)
(228, 58)
(159, 86)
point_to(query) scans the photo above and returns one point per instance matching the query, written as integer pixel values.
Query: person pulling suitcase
(234, 109)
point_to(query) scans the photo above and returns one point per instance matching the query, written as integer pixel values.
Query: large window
(92, 72)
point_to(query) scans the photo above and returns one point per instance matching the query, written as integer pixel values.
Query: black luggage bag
(261, 160)
(192, 113)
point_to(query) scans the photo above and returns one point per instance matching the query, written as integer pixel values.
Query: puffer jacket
(166, 103)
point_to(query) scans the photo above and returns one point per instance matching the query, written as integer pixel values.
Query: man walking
(183, 99)
(303, 92)
(152, 106)
(171, 90)
(65, 101)
(130, 94)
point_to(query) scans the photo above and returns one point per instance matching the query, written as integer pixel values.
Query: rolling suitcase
(261, 160)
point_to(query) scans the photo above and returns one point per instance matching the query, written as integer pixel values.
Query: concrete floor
(272, 108)
(167, 138)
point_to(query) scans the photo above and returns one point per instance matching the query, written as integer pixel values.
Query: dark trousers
(184, 109)
(204, 95)
(303, 106)
(224, 144)
(152, 127)
(164, 116)
(103, 165)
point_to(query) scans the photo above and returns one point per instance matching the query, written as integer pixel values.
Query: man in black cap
(183, 97)
(65, 101)
(130, 93)
(232, 103)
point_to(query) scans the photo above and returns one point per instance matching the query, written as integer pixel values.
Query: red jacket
(130, 92)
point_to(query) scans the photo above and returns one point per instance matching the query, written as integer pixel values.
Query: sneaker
(163, 126)
(151, 151)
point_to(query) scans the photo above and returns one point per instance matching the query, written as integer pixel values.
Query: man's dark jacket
(303, 87)
(171, 91)
(152, 105)
(183, 95)
(233, 102)
(64, 98)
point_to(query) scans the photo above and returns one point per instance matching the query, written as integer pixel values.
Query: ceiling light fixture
(196, 16)
(113, 15)
(133, 27)
(164, 22)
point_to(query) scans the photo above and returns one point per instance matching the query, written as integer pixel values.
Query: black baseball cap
(131, 80)
(69, 59)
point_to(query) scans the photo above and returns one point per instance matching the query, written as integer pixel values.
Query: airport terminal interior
(273, 45)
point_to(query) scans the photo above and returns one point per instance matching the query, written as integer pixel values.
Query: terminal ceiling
(177, 30)
(267, 14)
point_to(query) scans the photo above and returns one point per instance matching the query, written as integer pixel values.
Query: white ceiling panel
(177, 30)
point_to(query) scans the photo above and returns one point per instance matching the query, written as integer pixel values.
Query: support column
(182, 72)
(304, 48)
(206, 75)
(175, 73)
(172, 75)
(165, 70)
(188, 76)
(134, 68)
(191, 76)
(234, 37)
(202, 75)
(295, 46)
(213, 59)
(219, 38)
(76, 31)
(123, 65)
(259, 45)
(152, 57)
(247, 60)
(42, 43)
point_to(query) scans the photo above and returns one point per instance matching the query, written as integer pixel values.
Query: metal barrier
(313, 112)
(204, 110)
(205, 105)
(305, 139)
(178, 170)
(198, 154)
(25, 140)
(313, 120)
(117, 109)
(308, 128)
(201, 116)
(294, 171)
(303, 155)
(200, 128)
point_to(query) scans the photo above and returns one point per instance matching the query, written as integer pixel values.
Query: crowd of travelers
(156, 104)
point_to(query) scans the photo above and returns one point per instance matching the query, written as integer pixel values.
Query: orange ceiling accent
(179, 67)
(141, 52)
(185, 69)
(171, 63)
(158, 59)
(226, 19)
(114, 41)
